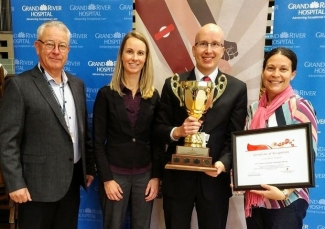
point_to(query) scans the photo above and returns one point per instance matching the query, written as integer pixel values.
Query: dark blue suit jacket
(228, 114)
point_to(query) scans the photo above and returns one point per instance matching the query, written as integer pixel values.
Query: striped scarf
(262, 114)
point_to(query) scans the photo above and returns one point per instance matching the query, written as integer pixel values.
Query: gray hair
(57, 24)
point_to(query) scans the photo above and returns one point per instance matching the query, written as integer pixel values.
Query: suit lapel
(188, 76)
(211, 115)
(216, 82)
(44, 89)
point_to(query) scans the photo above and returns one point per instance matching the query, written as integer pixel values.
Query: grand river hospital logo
(41, 11)
(102, 68)
(287, 38)
(91, 7)
(110, 40)
(317, 205)
(305, 11)
(42, 7)
(90, 11)
(23, 39)
(22, 65)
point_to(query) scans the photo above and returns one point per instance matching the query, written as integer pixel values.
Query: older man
(45, 147)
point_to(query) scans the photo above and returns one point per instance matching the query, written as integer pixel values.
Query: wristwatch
(285, 193)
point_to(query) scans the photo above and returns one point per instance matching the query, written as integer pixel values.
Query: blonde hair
(146, 76)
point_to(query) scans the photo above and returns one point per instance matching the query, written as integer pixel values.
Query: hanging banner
(171, 27)
(304, 33)
(97, 27)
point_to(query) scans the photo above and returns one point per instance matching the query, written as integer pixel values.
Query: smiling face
(134, 56)
(52, 60)
(207, 58)
(277, 75)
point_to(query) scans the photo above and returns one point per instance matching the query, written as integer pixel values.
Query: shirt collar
(49, 78)
(212, 76)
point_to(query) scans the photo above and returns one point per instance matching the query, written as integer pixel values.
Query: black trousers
(54, 215)
(286, 217)
(210, 214)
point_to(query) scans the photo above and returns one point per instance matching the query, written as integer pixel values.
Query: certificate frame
(279, 156)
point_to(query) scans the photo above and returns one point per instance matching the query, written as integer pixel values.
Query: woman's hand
(152, 189)
(271, 192)
(113, 190)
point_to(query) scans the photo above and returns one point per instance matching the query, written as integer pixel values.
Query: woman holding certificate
(274, 208)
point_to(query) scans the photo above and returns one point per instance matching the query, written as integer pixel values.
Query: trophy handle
(176, 87)
(220, 88)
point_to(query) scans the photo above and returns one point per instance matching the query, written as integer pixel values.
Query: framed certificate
(280, 156)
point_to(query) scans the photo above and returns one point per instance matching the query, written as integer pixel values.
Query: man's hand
(190, 126)
(89, 179)
(219, 169)
(20, 195)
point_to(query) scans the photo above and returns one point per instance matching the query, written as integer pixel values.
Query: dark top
(228, 114)
(117, 142)
(35, 143)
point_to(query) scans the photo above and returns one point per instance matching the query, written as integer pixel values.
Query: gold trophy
(198, 97)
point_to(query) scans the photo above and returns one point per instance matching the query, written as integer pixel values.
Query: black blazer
(36, 149)
(228, 114)
(116, 142)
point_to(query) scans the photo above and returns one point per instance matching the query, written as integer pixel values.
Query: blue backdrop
(97, 28)
(304, 32)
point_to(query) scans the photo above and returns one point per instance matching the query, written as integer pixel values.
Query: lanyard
(63, 109)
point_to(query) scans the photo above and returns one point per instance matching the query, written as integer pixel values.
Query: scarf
(260, 117)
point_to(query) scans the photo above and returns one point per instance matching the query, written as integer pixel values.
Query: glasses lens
(62, 47)
(49, 46)
(213, 45)
(203, 44)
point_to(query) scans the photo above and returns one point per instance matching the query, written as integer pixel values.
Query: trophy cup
(198, 97)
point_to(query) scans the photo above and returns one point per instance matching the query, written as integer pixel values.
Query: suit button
(133, 140)
(70, 159)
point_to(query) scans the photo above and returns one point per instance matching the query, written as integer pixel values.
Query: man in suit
(45, 146)
(209, 192)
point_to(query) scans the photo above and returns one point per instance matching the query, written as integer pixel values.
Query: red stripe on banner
(160, 24)
(164, 32)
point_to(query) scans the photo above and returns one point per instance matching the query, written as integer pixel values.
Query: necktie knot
(206, 78)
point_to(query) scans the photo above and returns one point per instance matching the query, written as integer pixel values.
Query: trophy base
(191, 160)
(190, 168)
(192, 151)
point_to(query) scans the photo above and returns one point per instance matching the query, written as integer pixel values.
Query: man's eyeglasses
(51, 45)
(205, 45)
